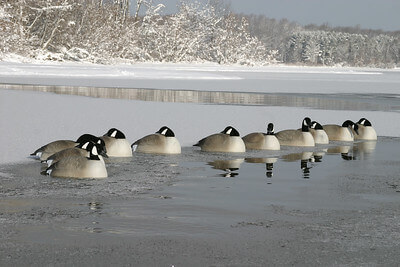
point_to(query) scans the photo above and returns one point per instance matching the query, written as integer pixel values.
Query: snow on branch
(51, 8)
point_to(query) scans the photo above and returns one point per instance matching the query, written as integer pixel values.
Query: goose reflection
(358, 151)
(304, 158)
(228, 166)
(95, 206)
(363, 150)
(269, 165)
(318, 155)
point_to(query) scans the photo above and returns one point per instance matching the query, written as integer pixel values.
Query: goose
(116, 144)
(53, 147)
(226, 141)
(161, 142)
(341, 133)
(319, 134)
(300, 137)
(78, 166)
(82, 149)
(262, 141)
(365, 130)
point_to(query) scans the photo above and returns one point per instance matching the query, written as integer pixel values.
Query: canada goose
(262, 141)
(116, 144)
(319, 134)
(77, 166)
(51, 148)
(365, 130)
(226, 141)
(341, 133)
(161, 142)
(82, 149)
(301, 137)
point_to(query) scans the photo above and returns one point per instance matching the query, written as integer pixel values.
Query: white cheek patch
(164, 132)
(229, 131)
(85, 145)
(94, 151)
(114, 134)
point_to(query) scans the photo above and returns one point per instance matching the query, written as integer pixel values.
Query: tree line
(104, 31)
(325, 45)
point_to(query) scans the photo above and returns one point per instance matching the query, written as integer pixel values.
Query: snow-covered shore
(205, 77)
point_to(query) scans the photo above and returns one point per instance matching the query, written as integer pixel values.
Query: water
(341, 101)
(198, 192)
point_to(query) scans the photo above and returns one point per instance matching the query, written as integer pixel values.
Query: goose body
(51, 148)
(365, 131)
(341, 132)
(116, 144)
(301, 137)
(161, 142)
(262, 141)
(79, 150)
(319, 134)
(227, 141)
(77, 166)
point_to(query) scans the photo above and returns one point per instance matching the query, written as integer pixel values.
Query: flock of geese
(83, 158)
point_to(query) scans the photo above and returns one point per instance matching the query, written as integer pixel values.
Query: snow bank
(206, 77)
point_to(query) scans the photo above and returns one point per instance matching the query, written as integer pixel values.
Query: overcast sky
(369, 14)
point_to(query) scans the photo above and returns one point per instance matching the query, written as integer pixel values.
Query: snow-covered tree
(105, 31)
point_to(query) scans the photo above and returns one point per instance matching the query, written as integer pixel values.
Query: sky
(368, 14)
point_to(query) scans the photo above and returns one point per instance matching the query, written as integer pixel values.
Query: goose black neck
(94, 157)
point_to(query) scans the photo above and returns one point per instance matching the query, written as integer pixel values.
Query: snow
(30, 119)
(142, 71)
(208, 77)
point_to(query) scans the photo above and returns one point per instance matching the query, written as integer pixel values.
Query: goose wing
(151, 139)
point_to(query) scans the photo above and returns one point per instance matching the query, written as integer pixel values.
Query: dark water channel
(342, 101)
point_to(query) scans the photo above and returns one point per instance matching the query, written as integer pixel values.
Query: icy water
(199, 193)
(338, 101)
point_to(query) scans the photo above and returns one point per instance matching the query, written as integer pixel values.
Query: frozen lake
(332, 205)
